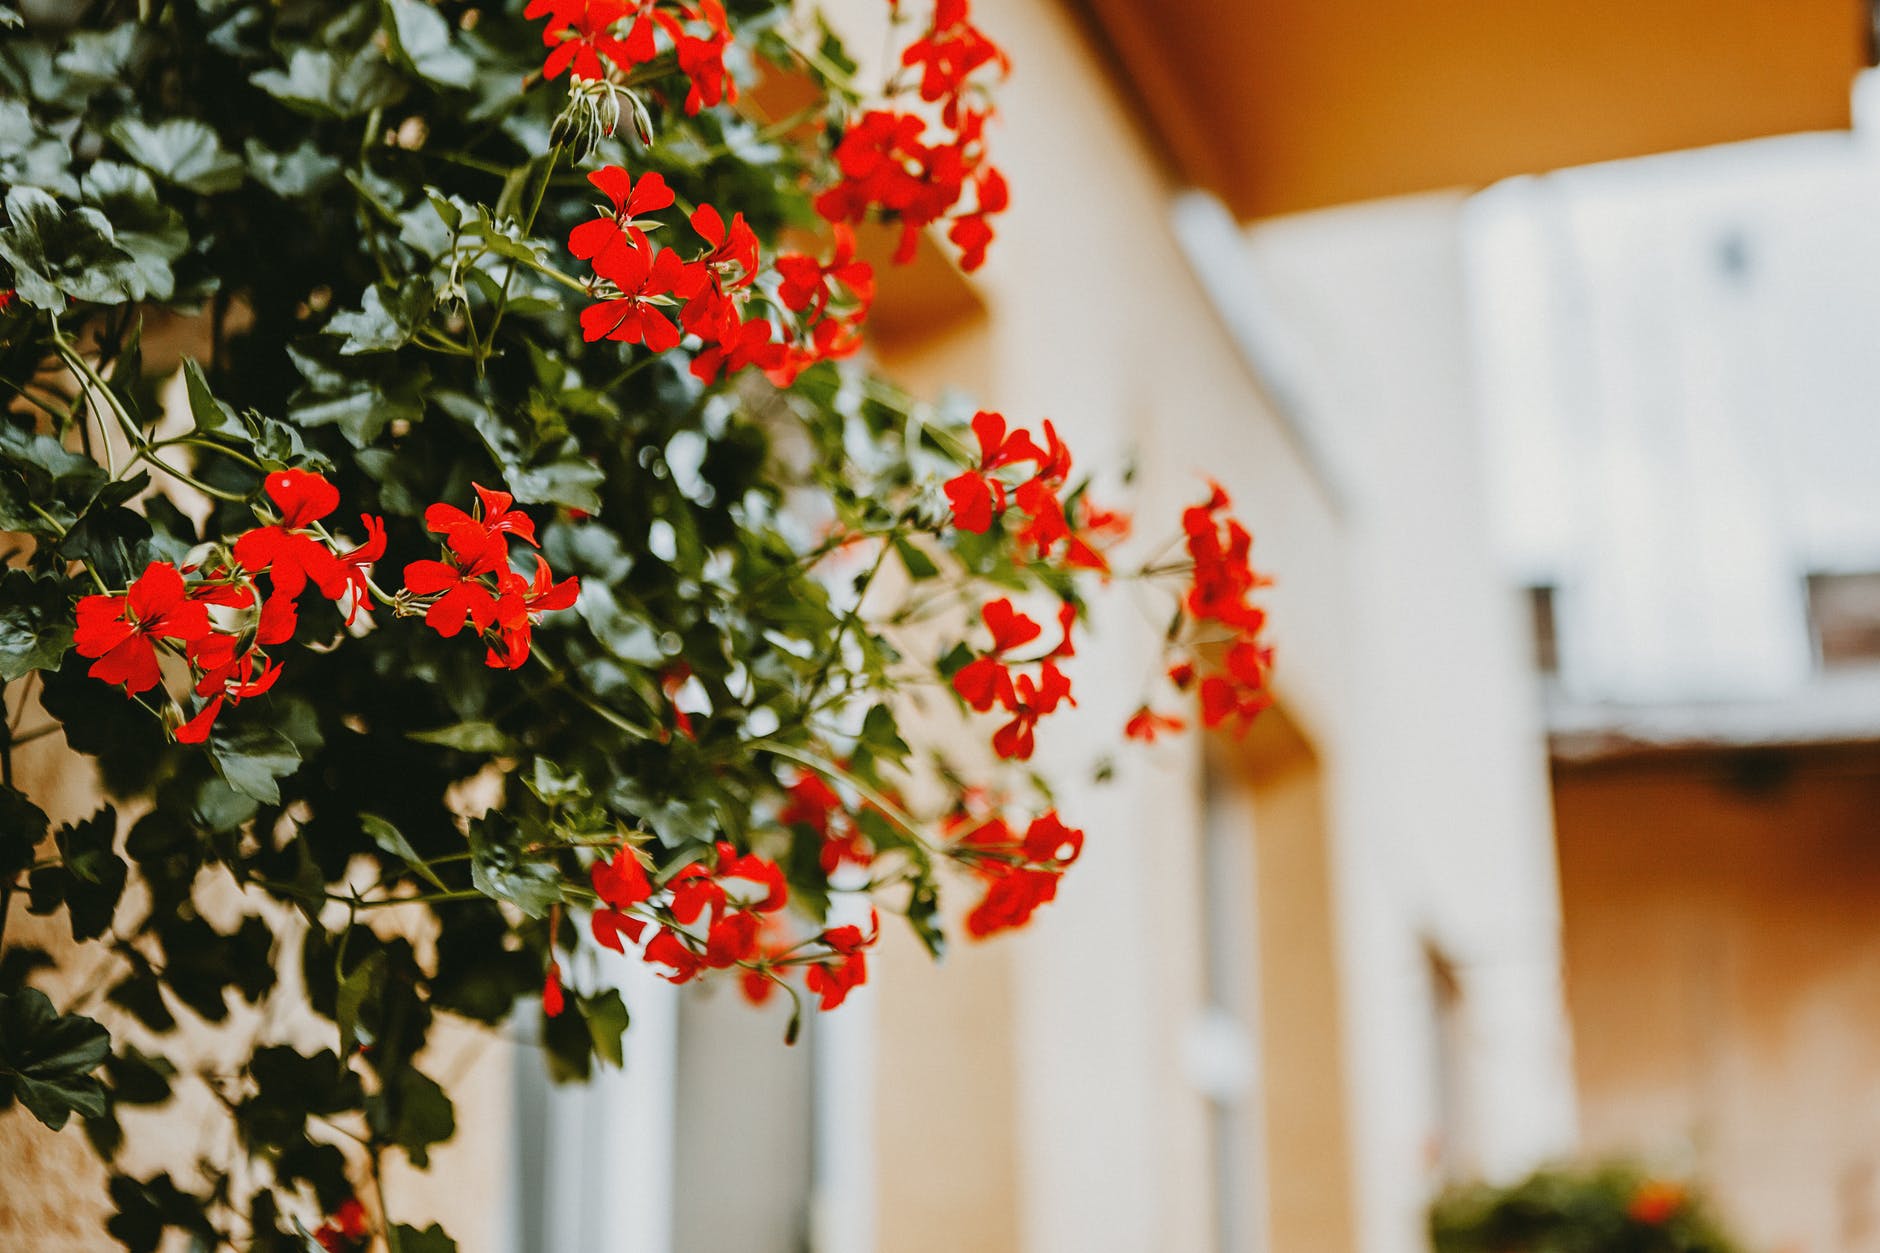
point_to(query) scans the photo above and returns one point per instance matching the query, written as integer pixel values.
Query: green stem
(509, 272)
(848, 620)
(830, 770)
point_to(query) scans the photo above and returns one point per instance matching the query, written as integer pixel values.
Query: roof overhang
(1286, 105)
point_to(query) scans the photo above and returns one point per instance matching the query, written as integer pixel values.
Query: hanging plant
(515, 448)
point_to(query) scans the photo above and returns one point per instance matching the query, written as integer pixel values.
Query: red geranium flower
(631, 200)
(1032, 701)
(121, 631)
(285, 551)
(645, 277)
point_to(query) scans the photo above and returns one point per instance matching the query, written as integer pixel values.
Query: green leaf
(212, 416)
(35, 623)
(393, 841)
(47, 1059)
(22, 826)
(431, 1240)
(607, 1020)
(180, 150)
(500, 869)
(575, 484)
(55, 254)
(333, 85)
(149, 232)
(467, 737)
(89, 879)
(422, 38)
(919, 564)
(412, 1112)
(297, 172)
(253, 760)
(353, 991)
(384, 320)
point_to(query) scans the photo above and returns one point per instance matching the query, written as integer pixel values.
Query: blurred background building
(1565, 835)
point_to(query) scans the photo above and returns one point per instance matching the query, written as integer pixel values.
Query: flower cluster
(218, 622)
(1021, 872)
(815, 805)
(593, 39)
(640, 285)
(887, 164)
(1236, 688)
(475, 584)
(988, 679)
(981, 495)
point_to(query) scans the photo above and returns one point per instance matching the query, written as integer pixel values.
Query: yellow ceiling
(1283, 105)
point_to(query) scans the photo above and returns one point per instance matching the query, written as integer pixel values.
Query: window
(1844, 613)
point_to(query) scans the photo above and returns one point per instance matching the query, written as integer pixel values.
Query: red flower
(347, 1229)
(1145, 724)
(580, 34)
(667, 949)
(1011, 901)
(121, 631)
(462, 595)
(355, 562)
(1015, 740)
(846, 968)
(645, 278)
(285, 551)
(807, 282)
(985, 680)
(553, 1001)
(1241, 690)
(469, 536)
(733, 250)
(605, 236)
(1655, 1203)
(519, 605)
(976, 495)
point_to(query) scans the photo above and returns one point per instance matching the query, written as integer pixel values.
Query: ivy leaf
(55, 254)
(296, 172)
(89, 879)
(97, 59)
(572, 483)
(146, 1207)
(150, 233)
(422, 38)
(180, 150)
(467, 737)
(412, 1112)
(499, 868)
(212, 416)
(383, 321)
(393, 841)
(22, 826)
(47, 1060)
(431, 1240)
(253, 759)
(329, 85)
(35, 624)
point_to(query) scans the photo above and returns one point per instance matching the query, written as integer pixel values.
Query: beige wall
(1723, 949)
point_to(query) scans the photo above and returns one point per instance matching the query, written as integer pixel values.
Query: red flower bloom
(1145, 724)
(580, 34)
(121, 632)
(605, 236)
(733, 258)
(285, 551)
(348, 1229)
(1023, 873)
(1241, 691)
(986, 680)
(808, 283)
(645, 278)
(355, 562)
(519, 605)
(467, 536)
(553, 1001)
(1032, 701)
(1011, 901)
(977, 497)
(846, 968)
